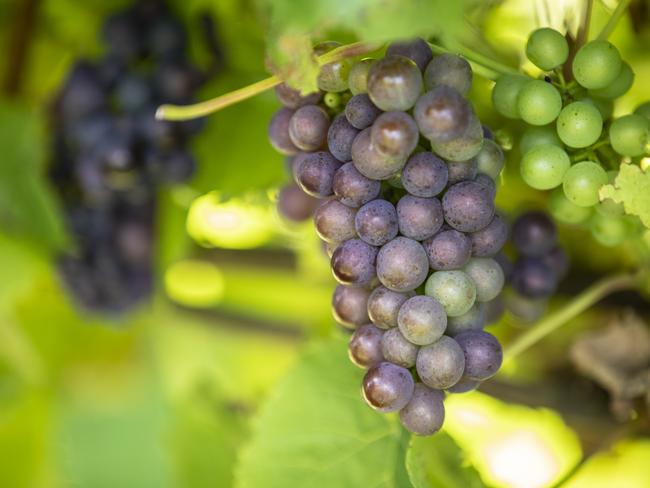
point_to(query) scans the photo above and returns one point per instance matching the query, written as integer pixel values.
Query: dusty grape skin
(340, 137)
(384, 305)
(369, 162)
(402, 264)
(394, 134)
(488, 241)
(361, 112)
(558, 261)
(417, 50)
(461, 171)
(291, 98)
(352, 188)
(464, 385)
(387, 387)
(442, 114)
(483, 354)
(467, 206)
(315, 173)
(364, 348)
(376, 222)
(440, 365)
(464, 147)
(294, 204)
(534, 234)
(308, 128)
(425, 413)
(455, 290)
(448, 250)
(419, 218)
(487, 276)
(279, 132)
(353, 262)
(422, 320)
(488, 184)
(450, 70)
(397, 349)
(394, 83)
(334, 221)
(533, 278)
(350, 306)
(425, 175)
(474, 318)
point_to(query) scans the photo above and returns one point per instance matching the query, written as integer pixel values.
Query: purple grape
(558, 261)
(534, 234)
(533, 278)
(483, 354)
(394, 134)
(505, 263)
(394, 83)
(340, 137)
(424, 175)
(376, 222)
(294, 204)
(387, 387)
(308, 128)
(487, 184)
(353, 263)
(422, 320)
(334, 221)
(361, 112)
(419, 218)
(441, 364)
(425, 412)
(488, 241)
(448, 250)
(417, 50)
(461, 171)
(364, 347)
(397, 349)
(475, 318)
(464, 385)
(467, 206)
(402, 264)
(369, 162)
(384, 305)
(291, 98)
(315, 173)
(449, 70)
(352, 188)
(350, 306)
(442, 114)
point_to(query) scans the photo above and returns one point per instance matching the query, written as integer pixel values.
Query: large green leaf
(632, 189)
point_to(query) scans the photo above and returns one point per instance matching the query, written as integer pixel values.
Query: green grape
(505, 93)
(358, 77)
(332, 100)
(455, 290)
(579, 124)
(547, 48)
(643, 109)
(610, 231)
(489, 160)
(597, 64)
(538, 135)
(333, 77)
(629, 135)
(539, 103)
(619, 86)
(605, 107)
(582, 182)
(543, 167)
(564, 210)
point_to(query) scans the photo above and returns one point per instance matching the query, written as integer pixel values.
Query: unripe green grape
(579, 124)
(597, 64)
(582, 182)
(490, 159)
(332, 100)
(547, 48)
(629, 135)
(619, 86)
(505, 93)
(333, 77)
(610, 231)
(543, 167)
(605, 107)
(455, 290)
(539, 103)
(564, 210)
(537, 136)
(358, 77)
(643, 109)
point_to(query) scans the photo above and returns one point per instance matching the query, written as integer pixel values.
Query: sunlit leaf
(632, 189)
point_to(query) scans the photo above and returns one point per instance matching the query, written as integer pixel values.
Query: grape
(464, 385)
(308, 127)
(132, 92)
(332, 100)
(449, 70)
(353, 262)
(397, 350)
(349, 306)
(425, 412)
(596, 64)
(394, 134)
(358, 76)
(524, 308)
(610, 231)
(402, 264)
(279, 132)
(291, 98)
(534, 234)
(467, 206)
(334, 221)
(387, 387)
(538, 136)
(565, 210)
(394, 83)
(442, 114)
(539, 103)
(558, 261)
(424, 175)
(487, 184)
(644, 110)
(629, 135)
(364, 347)
(384, 305)
(474, 318)
(505, 94)
(483, 354)
(315, 173)
(176, 80)
(461, 170)
(490, 159)
(417, 50)
(422, 320)
(487, 276)
(352, 188)
(440, 365)
(579, 124)
(294, 204)
(455, 290)
(361, 112)
(619, 87)
(419, 218)
(448, 250)
(464, 147)
(369, 162)
(340, 137)
(489, 240)
(533, 278)
(494, 310)
(333, 77)
(376, 222)
(82, 93)
(547, 48)
(582, 182)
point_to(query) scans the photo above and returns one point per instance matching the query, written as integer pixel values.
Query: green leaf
(438, 461)
(632, 189)
(315, 430)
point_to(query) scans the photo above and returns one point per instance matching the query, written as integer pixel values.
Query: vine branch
(613, 20)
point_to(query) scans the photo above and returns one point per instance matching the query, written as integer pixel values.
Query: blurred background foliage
(235, 374)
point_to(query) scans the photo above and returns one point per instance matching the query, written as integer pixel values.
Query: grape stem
(186, 112)
(579, 304)
(587, 152)
(476, 58)
(613, 20)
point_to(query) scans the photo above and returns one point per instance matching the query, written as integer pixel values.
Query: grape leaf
(438, 461)
(632, 189)
(315, 430)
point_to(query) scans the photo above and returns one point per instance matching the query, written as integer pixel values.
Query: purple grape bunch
(406, 175)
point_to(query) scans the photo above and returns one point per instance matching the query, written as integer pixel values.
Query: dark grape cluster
(571, 143)
(406, 174)
(110, 154)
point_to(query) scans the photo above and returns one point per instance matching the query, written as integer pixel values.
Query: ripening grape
(352, 188)
(579, 124)
(464, 147)
(424, 175)
(505, 93)
(440, 365)
(279, 132)
(353, 263)
(458, 171)
(425, 412)
(619, 87)
(474, 318)
(538, 136)
(565, 210)
(369, 162)
(544, 166)
(394, 134)
(455, 290)
(364, 347)
(332, 77)
(419, 218)
(534, 234)
(397, 349)
(467, 206)
(384, 305)
(350, 306)
(629, 135)
(402, 264)
(533, 278)
(489, 240)
(483, 354)
(376, 222)
(422, 320)
(334, 221)
(291, 98)
(340, 137)
(547, 48)
(450, 70)
(394, 83)
(490, 159)
(361, 112)
(582, 182)
(442, 114)
(294, 204)
(596, 64)
(315, 173)
(387, 387)
(488, 277)
(358, 76)
(539, 103)
(308, 127)
(448, 250)
(417, 50)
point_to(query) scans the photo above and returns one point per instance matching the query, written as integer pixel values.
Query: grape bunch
(406, 174)
(571, 144)
(110, 155)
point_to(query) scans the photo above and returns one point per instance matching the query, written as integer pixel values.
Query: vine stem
(186, 112)
(613, 20)
(579, 304)
(476, 58)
